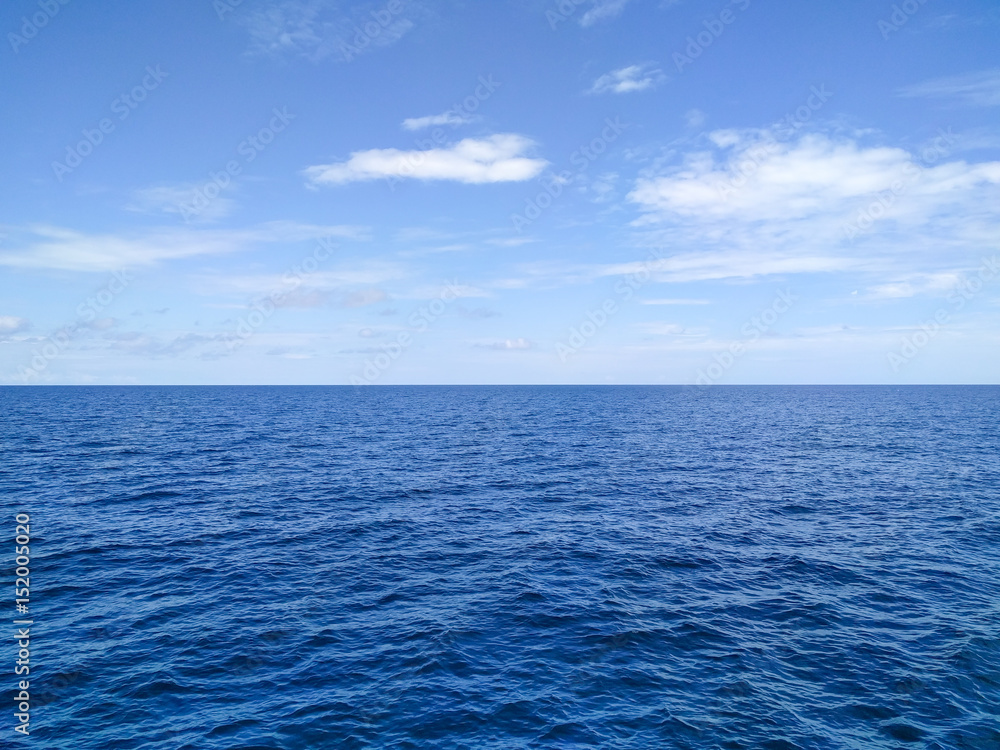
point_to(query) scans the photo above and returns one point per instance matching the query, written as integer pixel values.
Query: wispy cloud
(660, 328)
(364, 297)
(44, 246)
(628, 79)
(292, 27)
(139, 343)
(512, 241)
(498, 158)
(507, 345)
(956, 22)
(477, 313)
(682, 267)
(171, 200)
(675, 302)
(451, 118)
(729, 264)
(302, 298)
(603, 10)
(316, 29)
(912, 285)
(306, 298)
(694, 118)
(978, 89)
(335, 284)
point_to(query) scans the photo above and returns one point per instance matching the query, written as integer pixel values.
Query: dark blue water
(506, 567)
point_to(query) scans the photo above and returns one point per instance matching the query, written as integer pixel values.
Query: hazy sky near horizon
(512, 191)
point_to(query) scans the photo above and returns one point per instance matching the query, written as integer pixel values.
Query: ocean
(504, 567)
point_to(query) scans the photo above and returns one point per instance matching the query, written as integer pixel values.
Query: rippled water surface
(507, 567)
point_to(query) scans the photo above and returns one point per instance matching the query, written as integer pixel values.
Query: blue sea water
(506, 567)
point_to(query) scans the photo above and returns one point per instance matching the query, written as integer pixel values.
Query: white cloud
(979, 89)
(750, 206)
(603, 10)
(498, 158)
(803, 193)
(764, 179)
(628, 79)
(66, 249)
(445, 118)
(10, 324)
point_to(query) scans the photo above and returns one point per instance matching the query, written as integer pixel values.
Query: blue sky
(512, 191)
